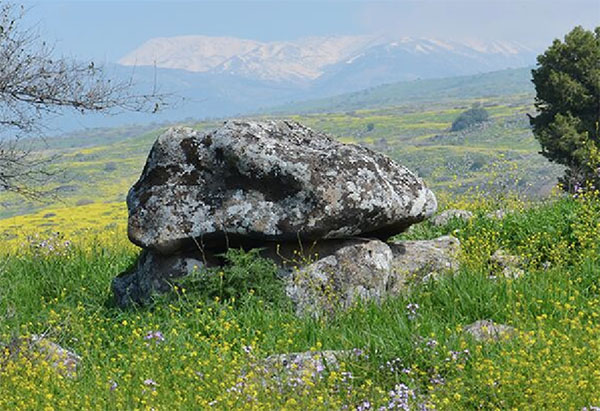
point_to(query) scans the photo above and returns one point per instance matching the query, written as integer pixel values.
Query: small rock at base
(485, 330)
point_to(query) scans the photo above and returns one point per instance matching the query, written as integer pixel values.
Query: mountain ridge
(318, 59)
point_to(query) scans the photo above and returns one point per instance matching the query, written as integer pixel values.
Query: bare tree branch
(34, 83)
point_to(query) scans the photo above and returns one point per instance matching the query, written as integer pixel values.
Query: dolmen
(274, 185)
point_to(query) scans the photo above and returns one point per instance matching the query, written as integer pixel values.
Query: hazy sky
(107, 30)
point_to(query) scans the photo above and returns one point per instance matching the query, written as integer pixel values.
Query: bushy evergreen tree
(567, 84)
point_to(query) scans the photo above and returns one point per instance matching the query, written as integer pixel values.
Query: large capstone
(251, 182)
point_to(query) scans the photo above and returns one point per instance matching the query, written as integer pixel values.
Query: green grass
(550, 364)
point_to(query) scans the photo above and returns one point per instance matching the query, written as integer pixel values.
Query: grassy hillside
(495, 84)
(210, 350)
(99, 166)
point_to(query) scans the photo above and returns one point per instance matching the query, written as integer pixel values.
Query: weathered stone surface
(497, 214)
(248, 182)
(358, 270)
(37, 347)
(300, 363)
(485, 330)
(446, 216)
(154, 273)
(368, 270)
(418, 261)
(509, 266)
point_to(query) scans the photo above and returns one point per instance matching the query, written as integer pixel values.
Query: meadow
(197, 349)
(201, 347)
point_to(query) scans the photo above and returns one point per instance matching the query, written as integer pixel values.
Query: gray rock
(352, 270)
(37, 347)
(298, 364)
(284, 371)
(446, 216)
(357, 270)
(154, 273)
(248, 182)
(485, 330)
(418, 261)
(509, 266)
(66, 362)
(497, 214)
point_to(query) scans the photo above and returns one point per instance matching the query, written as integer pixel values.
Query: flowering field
(199, 349)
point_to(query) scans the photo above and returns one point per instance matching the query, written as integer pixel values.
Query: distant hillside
(100, 165)
(499, 83)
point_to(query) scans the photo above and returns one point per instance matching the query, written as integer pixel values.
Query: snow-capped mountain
(322, 58)
(302, 60)
(226, 76)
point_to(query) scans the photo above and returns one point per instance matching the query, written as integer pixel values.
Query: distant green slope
(498, 83)
(410, 122)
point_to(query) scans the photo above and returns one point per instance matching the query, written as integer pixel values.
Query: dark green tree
(469, 118)
(567, 85)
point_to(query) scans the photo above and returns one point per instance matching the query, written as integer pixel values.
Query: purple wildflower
(399, 398)
(431, 343)
(412, 311)
(365, 405)
(319, 367)
(157, 336)
(437, 379)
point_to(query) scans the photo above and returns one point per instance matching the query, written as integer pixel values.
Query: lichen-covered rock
(285, 371)
(154, 273)
(446, 216)
(485, 330)
(509, 266)
(36, 348)
(349, 270)
(357, 270)
(248, 182)
(418, 261)
(497, 214)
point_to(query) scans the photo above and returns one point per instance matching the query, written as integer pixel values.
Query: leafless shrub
(34, 84)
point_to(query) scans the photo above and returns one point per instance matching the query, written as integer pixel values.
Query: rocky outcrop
(265, 185)
(250, 182)
(300, 363)
(355, 271)
(369, 270)
(289, 370)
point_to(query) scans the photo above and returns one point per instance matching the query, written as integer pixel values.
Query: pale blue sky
(107, 30)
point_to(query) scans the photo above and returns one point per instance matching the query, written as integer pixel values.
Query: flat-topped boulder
(251, 182)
